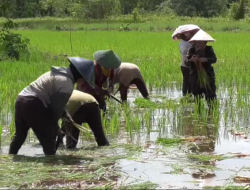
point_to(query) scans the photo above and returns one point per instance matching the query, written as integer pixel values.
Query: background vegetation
(102, 9)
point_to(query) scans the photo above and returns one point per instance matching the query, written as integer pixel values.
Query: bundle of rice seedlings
(203, 78)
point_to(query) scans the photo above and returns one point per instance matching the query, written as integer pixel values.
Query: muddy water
(158, 165)
(157, 168)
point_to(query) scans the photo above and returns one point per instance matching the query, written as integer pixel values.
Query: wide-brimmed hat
(201, 35)
(107, 59)
(85, 67)
(184, 29)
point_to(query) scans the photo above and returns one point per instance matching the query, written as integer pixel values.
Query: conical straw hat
(201, 35)
(183, 29)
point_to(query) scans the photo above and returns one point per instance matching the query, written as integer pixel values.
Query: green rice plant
(169, 142)
(114, 124)
(1, 132)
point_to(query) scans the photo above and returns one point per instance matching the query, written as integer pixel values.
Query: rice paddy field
(164, 143)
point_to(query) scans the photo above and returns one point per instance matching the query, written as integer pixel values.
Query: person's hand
(195, 58)
(202, 60)
(106, 94)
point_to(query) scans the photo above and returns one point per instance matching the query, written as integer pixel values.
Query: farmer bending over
(84, 109)
(40, 105)
(200, 59)
(105, 61)
(125, 75)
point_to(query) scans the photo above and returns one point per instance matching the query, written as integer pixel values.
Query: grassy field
(148, 22)
(167, 115)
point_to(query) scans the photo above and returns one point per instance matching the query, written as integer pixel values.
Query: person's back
(44, 86)
(83, 108)
(51, 87)
(77, 99)
(126, 73)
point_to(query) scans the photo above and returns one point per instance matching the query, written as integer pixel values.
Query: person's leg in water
(186, 86)
(197, 91)
(71, 132)
(87, 113)
(44, 126)
(141, 87)
(21, 128)
(210, 95)
(36, 116)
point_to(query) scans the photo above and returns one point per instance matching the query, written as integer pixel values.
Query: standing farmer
(200, 59)
(105, 61)
(125, 75)
(40, 105)
(84, 109)
(185, 33)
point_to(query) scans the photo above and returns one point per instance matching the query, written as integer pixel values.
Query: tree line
(102, 9)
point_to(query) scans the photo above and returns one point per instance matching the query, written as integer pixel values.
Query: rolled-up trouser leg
(141, 87)
(90, 113)
(21, 128)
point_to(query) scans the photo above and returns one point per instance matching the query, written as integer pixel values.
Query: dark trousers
(186, 86)
(140, 85)
(209, 91)
(87, 113)
(30, 112)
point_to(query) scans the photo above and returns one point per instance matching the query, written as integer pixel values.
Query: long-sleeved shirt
(100, 79)
(53, 88)
(208, 53)
(184, 47)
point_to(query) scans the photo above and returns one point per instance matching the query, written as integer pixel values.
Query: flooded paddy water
(165, 145)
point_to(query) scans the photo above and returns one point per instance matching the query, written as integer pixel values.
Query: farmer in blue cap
(105, 61)
(41, 104)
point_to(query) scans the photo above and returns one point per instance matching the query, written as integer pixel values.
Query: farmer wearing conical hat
(105, 61)
(185, 33)
(41, 104)
(200, 59)
(128, 74)
(84, 109)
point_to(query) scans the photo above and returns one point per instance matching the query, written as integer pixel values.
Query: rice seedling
(142, 186)
(206, 158)
(169, 142)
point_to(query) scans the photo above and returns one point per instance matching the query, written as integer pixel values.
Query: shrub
(11, 44)
(237, 10)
